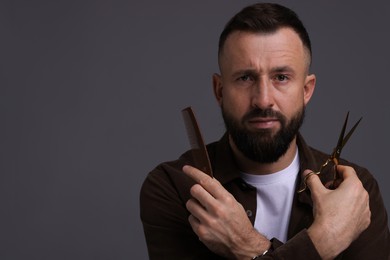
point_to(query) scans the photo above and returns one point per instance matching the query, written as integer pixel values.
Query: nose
(262, 96)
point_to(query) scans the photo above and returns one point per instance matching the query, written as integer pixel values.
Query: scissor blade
(340, 142)
(199, 151)
(351, 132)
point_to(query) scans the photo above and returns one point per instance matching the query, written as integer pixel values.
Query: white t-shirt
(275, 193)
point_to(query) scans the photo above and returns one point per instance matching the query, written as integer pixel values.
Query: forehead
(260, 49)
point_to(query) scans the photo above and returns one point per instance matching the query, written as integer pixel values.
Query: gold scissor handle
(305, 180)
(311, 173)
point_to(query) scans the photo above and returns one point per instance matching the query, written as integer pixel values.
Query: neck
(248, 166)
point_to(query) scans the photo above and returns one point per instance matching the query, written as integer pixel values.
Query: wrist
(258, 256)
(254, 246)
(327, 244)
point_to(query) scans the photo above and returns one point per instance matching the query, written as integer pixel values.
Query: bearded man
(251, 208)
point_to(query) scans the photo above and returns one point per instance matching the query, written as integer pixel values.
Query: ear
(308, 89)
(217, 86)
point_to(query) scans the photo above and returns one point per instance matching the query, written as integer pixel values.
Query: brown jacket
(169, 234)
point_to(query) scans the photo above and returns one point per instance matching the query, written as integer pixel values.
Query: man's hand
(220, 221)
(340, 215)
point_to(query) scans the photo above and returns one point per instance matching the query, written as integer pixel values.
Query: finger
(210, 184)
(345, 171)
(199, 229)
(347, 175)
(313, 182)
(334, 184)
(341, 172)
(195, 224)
(203, 197)
(195, 174)
(196, 209)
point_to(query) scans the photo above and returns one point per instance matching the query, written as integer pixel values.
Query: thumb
(313, 182)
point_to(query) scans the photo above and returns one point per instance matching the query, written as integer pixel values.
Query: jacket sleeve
(298, 247)
(165, 218)
(374, 242)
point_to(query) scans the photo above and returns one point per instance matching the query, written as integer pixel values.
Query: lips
(263, 122)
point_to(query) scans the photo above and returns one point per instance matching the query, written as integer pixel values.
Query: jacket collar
(226, 169)
(307, 160)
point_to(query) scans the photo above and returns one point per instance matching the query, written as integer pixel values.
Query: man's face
(262, 90)
(263, 145)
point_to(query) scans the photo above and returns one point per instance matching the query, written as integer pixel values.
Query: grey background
(90, 100)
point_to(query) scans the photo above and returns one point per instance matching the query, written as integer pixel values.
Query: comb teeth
(190, 130)
(199, 152)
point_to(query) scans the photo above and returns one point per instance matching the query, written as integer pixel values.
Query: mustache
(258, 112)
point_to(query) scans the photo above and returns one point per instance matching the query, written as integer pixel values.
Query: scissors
(335, 156)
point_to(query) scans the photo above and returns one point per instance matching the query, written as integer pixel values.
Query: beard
(262, 145)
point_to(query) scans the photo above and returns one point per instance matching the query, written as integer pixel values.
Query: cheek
(290, 103)
(235, 102)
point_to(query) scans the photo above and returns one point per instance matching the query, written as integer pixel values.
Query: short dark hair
(265, 18)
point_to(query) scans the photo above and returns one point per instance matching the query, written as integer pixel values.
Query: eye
(245, 78)
(281, 77)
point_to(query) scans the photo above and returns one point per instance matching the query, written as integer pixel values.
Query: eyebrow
(281, 69)
(245, 72)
